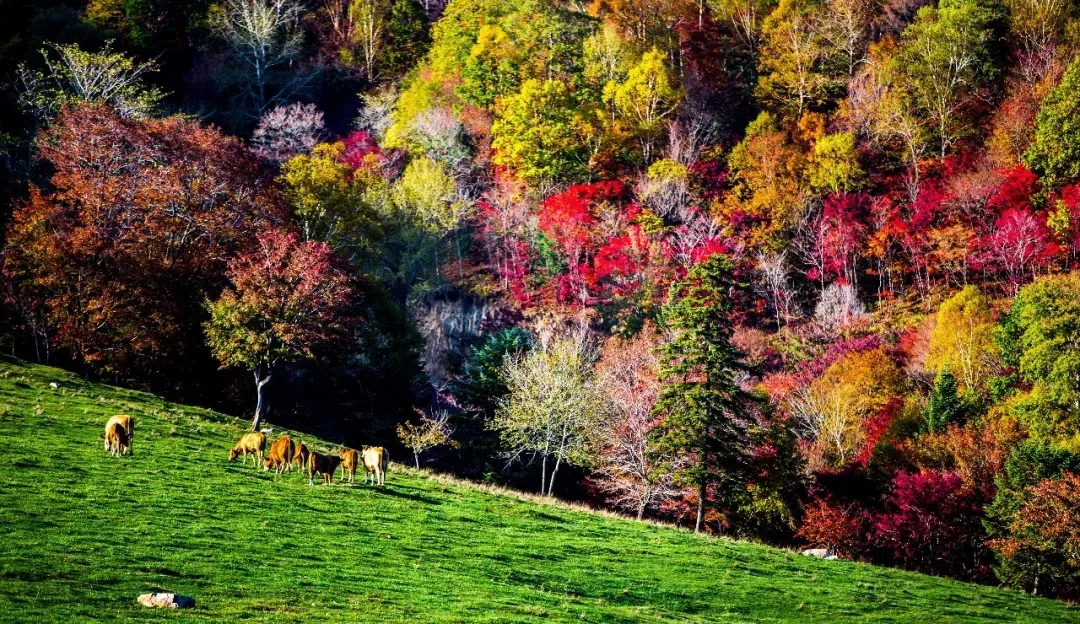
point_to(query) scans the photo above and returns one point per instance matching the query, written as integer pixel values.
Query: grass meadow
(82, 534)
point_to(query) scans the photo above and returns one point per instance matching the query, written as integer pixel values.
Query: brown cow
(127, 427)
(250, 443)
(281, 455)
(300, 456)
(349, 459)
(114, 437)
(376, 461)
(325, 465)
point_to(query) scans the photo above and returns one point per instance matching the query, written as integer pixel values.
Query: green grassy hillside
(82, 534)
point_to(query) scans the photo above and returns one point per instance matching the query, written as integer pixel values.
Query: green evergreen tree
(945, 406)
(700, 401)
(479, 388)
(481, 385)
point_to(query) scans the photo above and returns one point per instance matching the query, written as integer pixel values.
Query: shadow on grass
(396, 492)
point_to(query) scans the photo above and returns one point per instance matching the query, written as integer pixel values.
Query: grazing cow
(114, 437)
(126, 431)
(250, 443)
(349, 459)
(281, 455)
(376, 460)
(300, 456)
(325, 465)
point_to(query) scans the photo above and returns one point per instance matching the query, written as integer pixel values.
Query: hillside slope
(83, 534)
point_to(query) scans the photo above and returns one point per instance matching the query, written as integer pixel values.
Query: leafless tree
(629, 471)
(75, 75)
(882, 112)
(775, 284)
(825, 418)
(847, 28)
(265, 35)
(442, 137)
(286, 131)
(667, 195)
(377, 115)
(370, 18)
(838, 306)
(697, 229)
(745, 17)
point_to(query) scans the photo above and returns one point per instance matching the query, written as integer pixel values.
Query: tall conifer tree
(700, 402)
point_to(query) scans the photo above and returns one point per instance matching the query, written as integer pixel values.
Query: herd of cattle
(284, 453)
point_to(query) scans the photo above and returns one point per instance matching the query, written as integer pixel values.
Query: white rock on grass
(820, 553)
(167, 600)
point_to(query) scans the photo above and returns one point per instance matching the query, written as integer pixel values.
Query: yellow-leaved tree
(834, 409)
(646, 99)
(963, 340)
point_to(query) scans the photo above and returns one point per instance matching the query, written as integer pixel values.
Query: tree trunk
(416, 458)
(700, 523)
(641, 509)
(543, 475)
(457, 246)
(259, 383)
(551, 480)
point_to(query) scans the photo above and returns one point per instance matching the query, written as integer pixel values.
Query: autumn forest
(803, 272)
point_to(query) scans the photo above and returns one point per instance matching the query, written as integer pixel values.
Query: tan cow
(324, 465)
(127, 428)
(349, 459)
(253, 444)
(300, 456)
(114, 437)
(376, 461)
(281, 455)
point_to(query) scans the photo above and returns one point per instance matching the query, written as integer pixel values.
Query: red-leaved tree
(287, 299)
(932, 524)
(112, 262)
(568, 219)
(837, 528)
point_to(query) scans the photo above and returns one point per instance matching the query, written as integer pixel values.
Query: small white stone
(166, 600)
